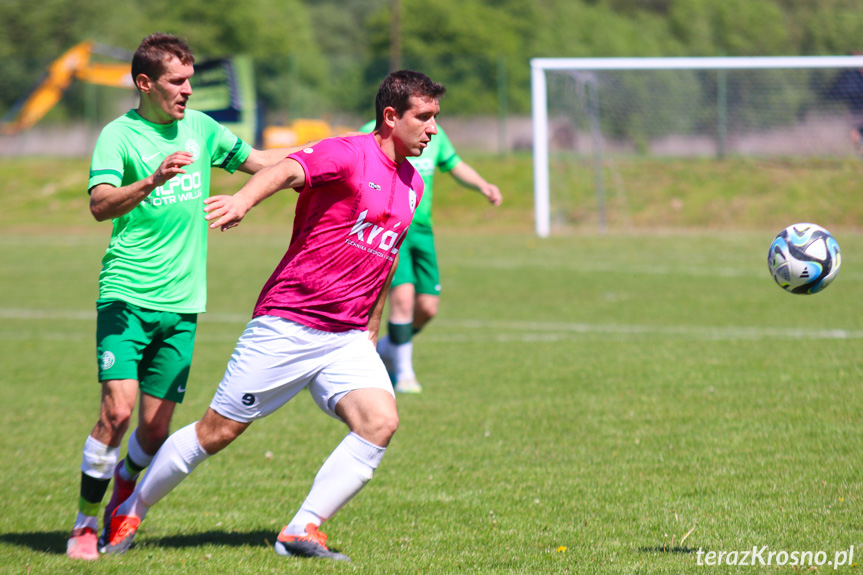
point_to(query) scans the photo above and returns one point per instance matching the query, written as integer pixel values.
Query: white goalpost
(601, 107)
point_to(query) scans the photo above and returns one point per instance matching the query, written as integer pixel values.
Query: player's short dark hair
(154, 52)
(396, 91)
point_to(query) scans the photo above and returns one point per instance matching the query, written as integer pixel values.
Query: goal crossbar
(688, 63)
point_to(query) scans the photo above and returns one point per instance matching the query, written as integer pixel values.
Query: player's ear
(144, 83)
(390, 116)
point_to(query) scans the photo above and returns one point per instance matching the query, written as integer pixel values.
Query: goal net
(597, 122)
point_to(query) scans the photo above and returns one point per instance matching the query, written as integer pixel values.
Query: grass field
(594, 404)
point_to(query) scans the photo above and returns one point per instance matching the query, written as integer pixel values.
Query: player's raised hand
(171, 166)
(225, 212)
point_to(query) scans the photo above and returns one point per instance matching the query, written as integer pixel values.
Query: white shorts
(276, 358)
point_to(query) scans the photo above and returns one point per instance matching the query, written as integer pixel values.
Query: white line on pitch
(81, 315)
(527, 331)
(554, 331)
(690, 269)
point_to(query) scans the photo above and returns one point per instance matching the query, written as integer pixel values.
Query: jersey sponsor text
(388, 238)
(180, 188)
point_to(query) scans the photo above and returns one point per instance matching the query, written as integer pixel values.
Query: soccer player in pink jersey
(316, 321)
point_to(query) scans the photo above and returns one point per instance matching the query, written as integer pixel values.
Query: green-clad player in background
(415, 291)
(150, 174)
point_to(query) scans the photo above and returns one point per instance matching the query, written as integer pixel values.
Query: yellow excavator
(74, 64)
(224, 89)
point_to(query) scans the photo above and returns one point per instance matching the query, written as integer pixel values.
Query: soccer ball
(804, 258)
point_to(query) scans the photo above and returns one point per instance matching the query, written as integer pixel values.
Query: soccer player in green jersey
(415, 290)
(150, 174)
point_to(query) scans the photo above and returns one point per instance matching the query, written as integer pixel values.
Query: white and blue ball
(804, 258)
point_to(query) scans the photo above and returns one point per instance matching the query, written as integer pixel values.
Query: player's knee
(428, 313)
(385, 426)
(378, 429)
(116, 419)
(426, 310)
(392, 424)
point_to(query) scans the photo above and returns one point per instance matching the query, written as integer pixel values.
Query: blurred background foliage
(320, 57)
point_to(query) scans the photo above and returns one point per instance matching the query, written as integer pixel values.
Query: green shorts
(152, 347)
(418, 262)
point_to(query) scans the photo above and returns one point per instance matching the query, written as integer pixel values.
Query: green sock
(400, 333)
(133, 468)
(92, 492)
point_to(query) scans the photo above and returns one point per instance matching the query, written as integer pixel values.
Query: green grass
(736, 194)
(590, 399)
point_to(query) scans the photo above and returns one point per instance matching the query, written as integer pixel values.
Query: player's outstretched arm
(260, 159)
(470, 178)
(226, 212)
(109, 202)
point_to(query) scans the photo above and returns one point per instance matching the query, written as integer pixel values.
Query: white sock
(176, 459)
(345, 472)
(97, 462)
(99, 459)
(402, 356)
(139, 457)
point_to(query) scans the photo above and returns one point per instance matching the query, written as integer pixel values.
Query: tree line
(319, 57)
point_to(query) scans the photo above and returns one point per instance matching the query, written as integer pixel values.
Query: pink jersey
(350, 220)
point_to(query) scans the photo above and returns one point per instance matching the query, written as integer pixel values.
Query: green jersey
(440, 153)
(157, 255)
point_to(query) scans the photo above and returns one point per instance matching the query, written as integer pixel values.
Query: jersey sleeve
(227, 151)
(330, 160)
(234, 156)
(106, 166)
(447, 157)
